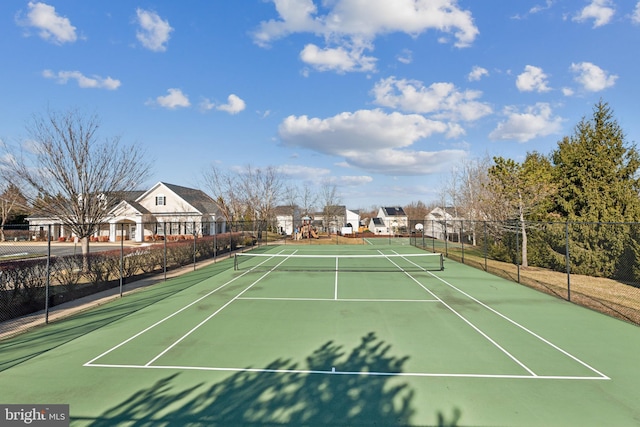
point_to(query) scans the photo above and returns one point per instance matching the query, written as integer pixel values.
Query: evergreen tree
(596, 174)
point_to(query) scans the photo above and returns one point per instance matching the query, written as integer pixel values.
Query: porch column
(112, 231)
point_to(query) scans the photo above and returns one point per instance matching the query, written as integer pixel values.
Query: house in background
(287, 219)
(334, 219)
(377, 226)
(443, 223)
(390, 220)
(164, 209)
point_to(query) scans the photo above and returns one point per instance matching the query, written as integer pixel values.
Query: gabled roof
(393, 211)
(196, 198)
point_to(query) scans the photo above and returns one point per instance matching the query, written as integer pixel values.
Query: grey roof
(196, 198)
(393, 211)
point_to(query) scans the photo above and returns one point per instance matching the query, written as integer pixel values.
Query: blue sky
(383, 98)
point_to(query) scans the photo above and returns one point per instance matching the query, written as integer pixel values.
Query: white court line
(170, 316)
(355, 373)
(162, 353)
(544, 340)
(335, 286)
(338, 299)
(468, 322)
(566, 353)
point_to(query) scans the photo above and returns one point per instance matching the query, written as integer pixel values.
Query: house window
(161, 200)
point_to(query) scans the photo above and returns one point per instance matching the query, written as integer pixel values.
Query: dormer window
(161, 200)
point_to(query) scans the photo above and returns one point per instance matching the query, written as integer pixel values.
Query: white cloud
(353, 180)
(567, 91)
(154, 32)
(534, 122)
(533, 79)
(635, 17)
(406, 57)
(365, 20)
(303, 173)
(340, 59)
(372, 140)
(93, 82)
(175, 99)
(51, 26)
(349, 27)
(539, 8)
(477, 73)
(234, 105)
(591, 77)
(600, 11)
(443, 100)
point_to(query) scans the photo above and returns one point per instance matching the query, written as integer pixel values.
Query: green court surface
(322, 335)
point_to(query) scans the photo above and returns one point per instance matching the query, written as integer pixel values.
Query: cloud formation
(591, 77)
(534, 122)
(533, 79)
(600, 11)
(154, 32)
(234, 105)
(174, 99)
(349, 27)
(93, 82)
(372, 140)
(51, 26)
(442, 100)
(477, 73)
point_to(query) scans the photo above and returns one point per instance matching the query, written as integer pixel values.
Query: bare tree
(416, 212)
(308, 200)
(263, 189)
(473, 191)
(11, 200)
(227, 193)
(251, 193)
(330, 200)
(77, 174)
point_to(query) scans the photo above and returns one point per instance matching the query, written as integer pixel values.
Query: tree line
(71, 173)
(590, 179)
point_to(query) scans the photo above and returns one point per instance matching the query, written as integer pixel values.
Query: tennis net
(339, 262)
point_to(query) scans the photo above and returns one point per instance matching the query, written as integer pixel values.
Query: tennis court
(374, 334)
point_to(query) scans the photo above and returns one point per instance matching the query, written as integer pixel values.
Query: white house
(163, 209)
(335, 218)
(390, 220)
(287, 218)
(442, 223)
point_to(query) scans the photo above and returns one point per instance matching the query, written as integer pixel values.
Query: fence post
(121, 257)
(462, 238)
(568, 260)
(518, 249)
(48, 282)
(446, 238)
(164, 235)
(486, 248)
(195, 238)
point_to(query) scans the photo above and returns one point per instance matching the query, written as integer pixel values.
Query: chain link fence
(44, 267)
(596, 265)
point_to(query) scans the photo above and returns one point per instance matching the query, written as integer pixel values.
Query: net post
(235, 262)
(441, 262)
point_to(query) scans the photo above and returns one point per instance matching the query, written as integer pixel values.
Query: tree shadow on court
(309, 395)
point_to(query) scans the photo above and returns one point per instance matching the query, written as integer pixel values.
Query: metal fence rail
(596, 265)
